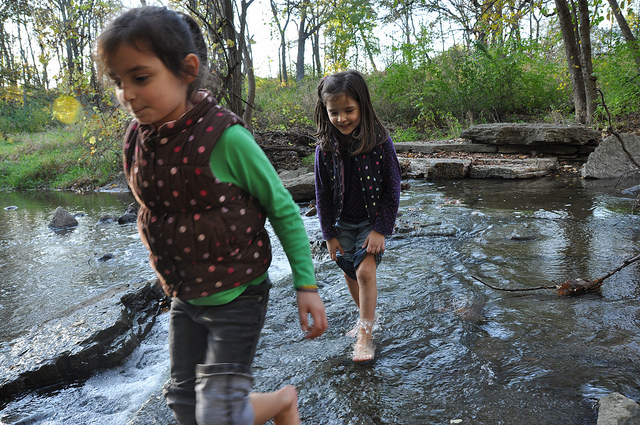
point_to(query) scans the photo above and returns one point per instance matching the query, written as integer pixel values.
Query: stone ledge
(98, 333)
(450, 168)
(532, 133)
(513, 169)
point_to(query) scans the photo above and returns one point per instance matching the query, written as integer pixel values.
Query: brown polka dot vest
(204, 236)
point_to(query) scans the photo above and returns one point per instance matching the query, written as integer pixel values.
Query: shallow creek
(449, 349)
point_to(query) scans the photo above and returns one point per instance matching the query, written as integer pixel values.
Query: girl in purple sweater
(357, 191)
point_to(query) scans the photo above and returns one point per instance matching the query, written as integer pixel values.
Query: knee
(367, 272)
(223, 397)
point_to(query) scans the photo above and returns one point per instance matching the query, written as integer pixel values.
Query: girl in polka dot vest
(357, 177)
(205, 190)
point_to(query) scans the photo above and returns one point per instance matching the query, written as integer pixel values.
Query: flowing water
(449, 349)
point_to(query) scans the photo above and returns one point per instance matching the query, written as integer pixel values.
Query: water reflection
(448, 347)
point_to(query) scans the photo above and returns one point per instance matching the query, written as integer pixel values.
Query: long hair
(352, 84)
(165, 33)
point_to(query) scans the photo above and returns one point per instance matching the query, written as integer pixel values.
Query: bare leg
(354, 290)
(368, 295)
(355, 294)
(281, 405)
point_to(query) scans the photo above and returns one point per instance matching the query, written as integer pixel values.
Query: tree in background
(576, 35)
(225, 23)
(312, 16)
(351, 25)
(282, 19)
(627, 33)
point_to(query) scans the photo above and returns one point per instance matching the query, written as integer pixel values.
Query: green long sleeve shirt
(239, 160)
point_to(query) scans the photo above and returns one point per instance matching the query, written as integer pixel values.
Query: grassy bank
(60, 158)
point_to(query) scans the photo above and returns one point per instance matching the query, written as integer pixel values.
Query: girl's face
(344, 113)
(146, 88)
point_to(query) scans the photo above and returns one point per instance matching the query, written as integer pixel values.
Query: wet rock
(458, 168)
(300, 183)
(513, 169)
(632, 191)
(106, 218)
(105, 257)
(616, 409)
(127, 218)
(130, 214)
(609, 160)
(62, 219)
(98, 333)
(437, 168)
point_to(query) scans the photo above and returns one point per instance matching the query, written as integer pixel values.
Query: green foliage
(619, 80)
(283, 107)
(461, 86)
(24, 110)
(410, 134)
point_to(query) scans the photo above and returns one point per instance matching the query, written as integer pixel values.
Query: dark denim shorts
(351, 237)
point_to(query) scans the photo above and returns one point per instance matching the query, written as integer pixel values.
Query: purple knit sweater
(376, 175)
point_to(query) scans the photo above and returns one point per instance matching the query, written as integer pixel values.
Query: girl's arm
(386, 218)
(324, 195)
(238, 159)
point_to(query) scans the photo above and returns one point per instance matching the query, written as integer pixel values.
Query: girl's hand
(374, 243)
(310, 304)
(334, 246)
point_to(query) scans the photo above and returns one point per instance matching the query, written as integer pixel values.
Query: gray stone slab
(513, 169)
(457, 145)
(532, 133)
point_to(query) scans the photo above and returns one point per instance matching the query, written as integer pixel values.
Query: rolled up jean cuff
(222, 394)
(350, 267)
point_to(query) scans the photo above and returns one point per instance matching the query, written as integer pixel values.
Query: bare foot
(289, 414)
(364, 350)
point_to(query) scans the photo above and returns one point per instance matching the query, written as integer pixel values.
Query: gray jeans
(212, 348)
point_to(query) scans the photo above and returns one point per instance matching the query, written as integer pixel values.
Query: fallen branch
(571, 287)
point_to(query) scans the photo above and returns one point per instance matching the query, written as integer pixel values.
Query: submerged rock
(62, 219)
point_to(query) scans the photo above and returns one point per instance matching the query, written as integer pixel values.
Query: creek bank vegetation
(452, 66)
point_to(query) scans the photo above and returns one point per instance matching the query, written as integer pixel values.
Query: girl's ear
(192, 68)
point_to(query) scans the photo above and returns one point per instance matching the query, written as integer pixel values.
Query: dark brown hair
(352, 84)
(165, 33)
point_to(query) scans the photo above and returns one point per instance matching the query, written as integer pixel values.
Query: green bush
(283, 107)
(25, 110)
(619, 80)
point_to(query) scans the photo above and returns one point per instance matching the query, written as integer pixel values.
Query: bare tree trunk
(36, 77)
(368, 49)
(234, 77)
(572, 52)
(4, 47)
(248, 65)
(591, 96)
(302, 38)
(631, 40)
(283, 41)
(316, 54)
(25, 65)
